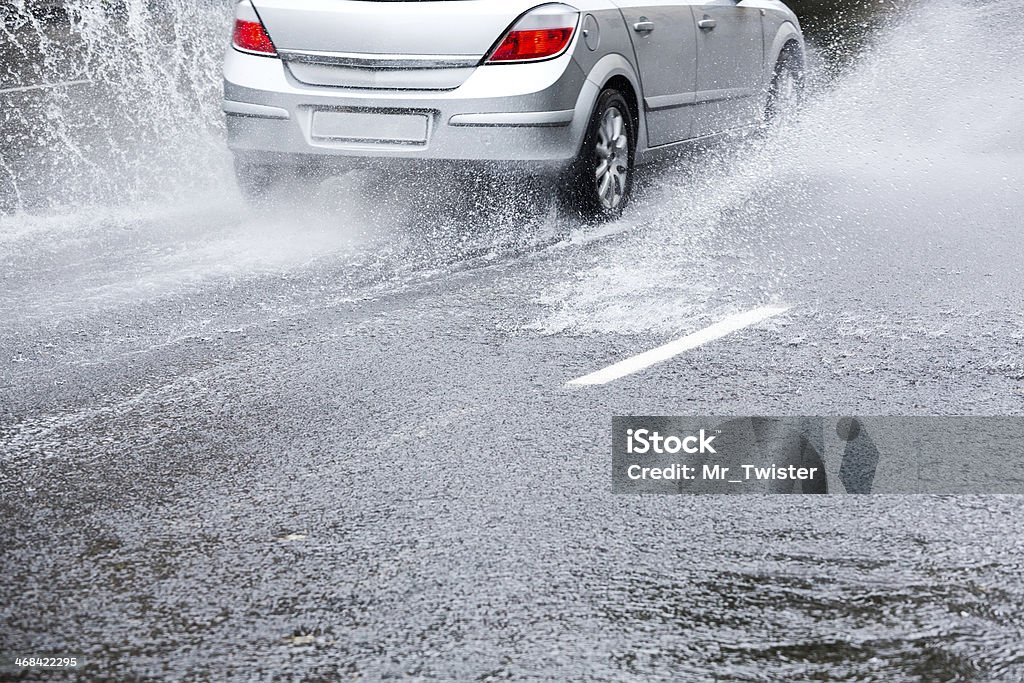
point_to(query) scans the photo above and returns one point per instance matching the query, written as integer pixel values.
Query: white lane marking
(43, 86)
(661, 354)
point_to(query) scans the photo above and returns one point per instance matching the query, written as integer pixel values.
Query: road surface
(336, 438)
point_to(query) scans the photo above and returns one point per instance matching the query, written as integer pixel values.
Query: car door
(664, 40)
(730, 52)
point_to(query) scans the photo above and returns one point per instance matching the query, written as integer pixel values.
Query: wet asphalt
(332, 439)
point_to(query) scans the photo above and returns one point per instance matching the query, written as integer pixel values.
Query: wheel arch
(788, 37)
(614, 71)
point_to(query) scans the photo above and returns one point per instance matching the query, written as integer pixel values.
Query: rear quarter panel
(612, 56)
(780, 25)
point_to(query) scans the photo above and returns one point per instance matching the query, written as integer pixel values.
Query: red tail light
(544, 33)
(251, 36)
(523, 46)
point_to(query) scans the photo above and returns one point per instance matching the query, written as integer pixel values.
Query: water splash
(150, 126)
(936, 106)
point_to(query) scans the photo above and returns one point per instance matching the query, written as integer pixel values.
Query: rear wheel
(600, 183)
(786, 91)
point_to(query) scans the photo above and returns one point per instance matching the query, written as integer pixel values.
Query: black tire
(786, 91)
(584, 190)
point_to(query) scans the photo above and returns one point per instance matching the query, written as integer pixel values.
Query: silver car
(582, 92)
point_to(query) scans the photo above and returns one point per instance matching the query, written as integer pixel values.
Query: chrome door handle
(643, 26)
(707, 24)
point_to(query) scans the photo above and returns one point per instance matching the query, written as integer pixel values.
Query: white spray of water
(137, 159)
(147, 126)
(939, 99)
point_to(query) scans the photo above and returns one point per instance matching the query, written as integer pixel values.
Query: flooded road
(334, 438)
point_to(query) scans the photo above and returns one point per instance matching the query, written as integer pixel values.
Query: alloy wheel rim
(612, 173)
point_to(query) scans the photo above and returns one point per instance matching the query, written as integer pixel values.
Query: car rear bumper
(509, 113)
